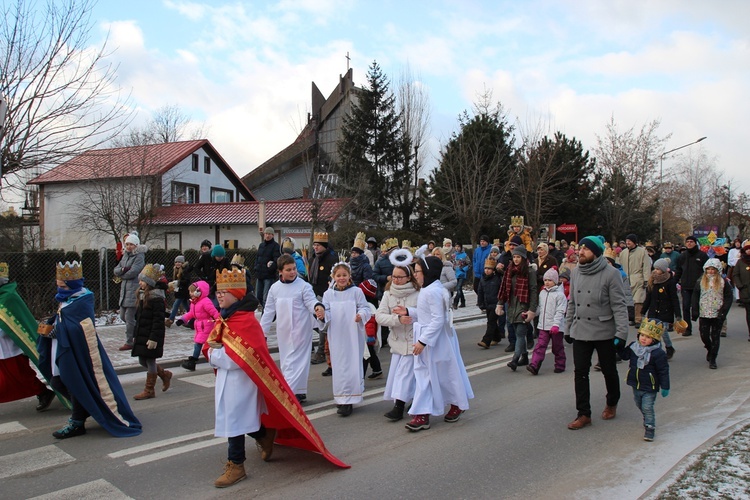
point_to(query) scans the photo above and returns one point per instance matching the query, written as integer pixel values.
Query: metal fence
(34, 272)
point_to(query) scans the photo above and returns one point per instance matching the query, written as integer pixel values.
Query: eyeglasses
(398, 277)
(418, 272)
(221, 293)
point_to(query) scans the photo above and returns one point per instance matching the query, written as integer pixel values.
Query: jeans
(511, 328)
(521, 329)
(459, 292)
(236, 451)
(687, 300)
(176, 307)
(261, 289)
(582, 352)
(127, 314)
(197, 348)
(645, 400)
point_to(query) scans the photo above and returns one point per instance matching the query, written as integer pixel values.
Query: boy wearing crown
(18, 334)
(73, 359)
(518, 229)
(252, 396)
(648, 372)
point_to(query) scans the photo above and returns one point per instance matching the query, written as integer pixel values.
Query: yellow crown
(150, 272)
(238, 260)
(359, 240)
(390, 243)
(490, 263)
(69, 271)
(516, 220)
(230, 280)
(320, 238)
(4, 270)
(496, 242)
(653, 329)
(406, 244)
(609, 253)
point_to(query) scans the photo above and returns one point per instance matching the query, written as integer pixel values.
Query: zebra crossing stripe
(93, 490)
(33, 460)
(12, 427)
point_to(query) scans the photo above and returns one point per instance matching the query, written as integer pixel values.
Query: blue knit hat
(218, 251)
(593, 243)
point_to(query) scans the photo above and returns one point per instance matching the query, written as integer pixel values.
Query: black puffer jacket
(149, 318)
(662, 302)
(268, 252)
(489, 287)
(690, 268)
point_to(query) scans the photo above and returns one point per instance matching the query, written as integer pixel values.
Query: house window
(221, 195)
(195, 163)
(184, 193)
(206, 165)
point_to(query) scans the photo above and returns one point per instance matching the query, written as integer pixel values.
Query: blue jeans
(511, 328)
(261, 289)
(460, 291)
(520, 330)
(176, 307)
(645, 400)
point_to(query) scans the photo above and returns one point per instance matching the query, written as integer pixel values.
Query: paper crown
(238, 260)
(150, 274)
(288, 244)
(230, 280)
(609, 253)
(516, 220)
(653, 329)
(69, 271)
(390, 243)
(320, 237)
(359, 241)
(496, 242)
(4, 270)
(406, 244)
(490, 263)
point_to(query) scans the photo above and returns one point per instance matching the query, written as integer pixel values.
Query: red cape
(245, 344)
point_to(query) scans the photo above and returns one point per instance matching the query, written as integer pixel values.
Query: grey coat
(129, 267)
(597, 309)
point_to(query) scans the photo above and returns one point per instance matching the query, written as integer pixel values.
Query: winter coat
(515, 307)
(325, 263)
(149, 325)
(690, 268)
(480, 255)
(637, 265)
(597, 309)
(207, 267)
(128, 269)
(204, 313)
(182, 290)
(741, 279)
(551, 309)
(672, 257)
(461, 265)
(300, 262)
(265, 262)
(489, 287)
(448, 276)
(653, 376)
(662, 302)
(381, 272)
(401, 338)
(727, 294)
(361, 270)
(548, 263)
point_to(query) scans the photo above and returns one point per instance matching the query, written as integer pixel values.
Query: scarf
(745, 258)
(314, 268)
(662, 278)
(593, 267)
(643, 352)
(520, 290)
(74, 286)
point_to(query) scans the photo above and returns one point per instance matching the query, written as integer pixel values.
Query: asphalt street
(512, 443)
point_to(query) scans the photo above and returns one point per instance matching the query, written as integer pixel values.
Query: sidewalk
(178, 344)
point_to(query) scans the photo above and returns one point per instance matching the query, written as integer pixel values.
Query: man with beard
(596, 320)
(689, 270)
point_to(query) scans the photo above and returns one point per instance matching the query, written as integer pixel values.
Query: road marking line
(93, 490)
(22, 462)
(174, 451)
(160, 444)
(203, 380)
(11, 427)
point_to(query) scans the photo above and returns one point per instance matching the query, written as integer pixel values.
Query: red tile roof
(134, 161)
(285, 211)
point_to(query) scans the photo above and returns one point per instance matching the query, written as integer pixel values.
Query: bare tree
(168, 124)
(692, 190)
(61, 94)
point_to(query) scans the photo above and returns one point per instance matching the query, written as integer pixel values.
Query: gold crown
(496, 242)
(390, 243)
(609, 253)
(320, 237)
(69, 271)
(238, 260)
(4, 270)
(516, 220)
(359, 240)
(230, 280)
(490, 263)
(152, 272)
(653, 329)
(406, 244)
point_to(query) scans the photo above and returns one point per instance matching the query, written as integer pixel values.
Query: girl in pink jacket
(203, 312)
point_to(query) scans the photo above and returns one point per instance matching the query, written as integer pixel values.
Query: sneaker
(649, 435)
(579, 423)
(454, 414)
(328, 372)
(125, 347)
(483, 345)
(375, 375)
(418, 423)
(71, 429)
(533, 369)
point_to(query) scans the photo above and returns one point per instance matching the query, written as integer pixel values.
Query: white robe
(346, 341)
(293, 305)
(239, 404)
(440, 381)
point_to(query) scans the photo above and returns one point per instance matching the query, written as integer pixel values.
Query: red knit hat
(369, 288)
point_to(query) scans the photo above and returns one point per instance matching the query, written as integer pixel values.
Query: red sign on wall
(567, 228)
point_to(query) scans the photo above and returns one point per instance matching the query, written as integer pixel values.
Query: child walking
(648, 372)
(551, 314)
(487, 291)
(150, 313)
(345, 312)
(179, 285)
(710, 307)
(662, 301)
(370, 289)
(204, 314)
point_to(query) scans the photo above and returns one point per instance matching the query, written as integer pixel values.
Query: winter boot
(72, 429)
(397, 413)
(165, 376)
(233, 473)
(510, 348)
(513, 363)
(148, 391)
(524, 360)
(418, 423)
(45, 399)
(189, 364)
(265, 444)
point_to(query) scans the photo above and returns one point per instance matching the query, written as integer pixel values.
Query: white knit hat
(133, 238)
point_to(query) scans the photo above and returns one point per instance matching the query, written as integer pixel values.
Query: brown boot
(165, 376)
(148, 391)
(609, 412)
(265, 444)
(579, 423)
(233, 473)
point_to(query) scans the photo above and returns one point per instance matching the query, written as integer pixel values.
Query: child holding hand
(204, 314)
(551, 314)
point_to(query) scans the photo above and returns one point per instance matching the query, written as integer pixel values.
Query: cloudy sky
(245, 68)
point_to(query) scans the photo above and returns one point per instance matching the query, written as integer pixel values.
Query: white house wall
(183, 173)
(61, 228)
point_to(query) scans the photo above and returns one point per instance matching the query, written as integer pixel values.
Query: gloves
(179, 322)
(695, 317)
(568, 339)
(664, 393)
(151, 344)
(619, 343)
(371, 340)
(555, 329)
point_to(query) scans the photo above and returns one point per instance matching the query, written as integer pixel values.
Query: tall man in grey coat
(130, 266)
(597, 320)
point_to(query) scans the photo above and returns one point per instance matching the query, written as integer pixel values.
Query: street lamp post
(661, 182)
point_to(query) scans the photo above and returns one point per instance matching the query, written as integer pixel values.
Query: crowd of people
(587, 294)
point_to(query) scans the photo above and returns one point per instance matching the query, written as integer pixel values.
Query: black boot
(513, 363)
(45, 399)
(510, 348)
(189, 364)
(397, 413)
(524, 360)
